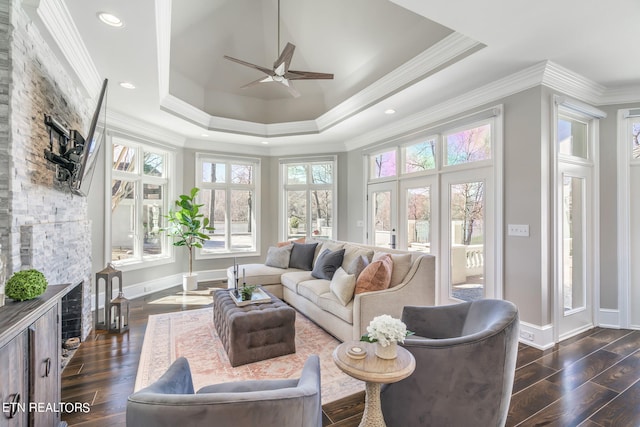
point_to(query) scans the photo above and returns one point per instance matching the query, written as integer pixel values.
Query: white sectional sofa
(313, 297)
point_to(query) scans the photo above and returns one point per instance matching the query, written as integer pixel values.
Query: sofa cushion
(302, 255)
(401, 266)
(353, 252)
(327, 264)
(342, 285)
(357, 265)
(376, 276)
(278, 256)
(311, 289)
(330, 303)
(291, 279)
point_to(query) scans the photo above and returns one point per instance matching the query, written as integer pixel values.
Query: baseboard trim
(608, 318)
(540, 337)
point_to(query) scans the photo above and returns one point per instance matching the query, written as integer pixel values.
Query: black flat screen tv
(81, 181)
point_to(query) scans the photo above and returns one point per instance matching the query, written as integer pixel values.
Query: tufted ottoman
(256, 331)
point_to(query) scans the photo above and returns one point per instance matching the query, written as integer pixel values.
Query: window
(419, 157)
(229, 193)
(635, 139)
(382, 165)
(139, 194)
(573, 137)
(309, 207)
(468, 145)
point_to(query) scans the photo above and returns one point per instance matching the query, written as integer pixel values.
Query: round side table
(374, 371)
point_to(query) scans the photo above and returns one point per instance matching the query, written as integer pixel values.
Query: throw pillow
(401, 266)
(327, 264)
(278, 257)
(342, 286)
(302, 255)
(357, 265)
(352, 252)
(376, 276)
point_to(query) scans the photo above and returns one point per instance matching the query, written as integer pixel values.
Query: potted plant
(25, 285)
(386, 332)
(187, 226)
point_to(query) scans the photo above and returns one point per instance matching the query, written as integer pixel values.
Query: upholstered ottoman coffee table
(254, 332)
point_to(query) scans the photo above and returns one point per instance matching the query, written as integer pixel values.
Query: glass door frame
(392, 187)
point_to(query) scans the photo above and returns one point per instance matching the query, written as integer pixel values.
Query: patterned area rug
(191, 334)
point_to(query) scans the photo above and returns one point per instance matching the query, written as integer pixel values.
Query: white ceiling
(185, 87)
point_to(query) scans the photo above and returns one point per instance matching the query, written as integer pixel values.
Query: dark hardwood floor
(590, 380)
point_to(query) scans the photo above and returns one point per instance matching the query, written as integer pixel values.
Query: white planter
(388, 352)
(190, 282)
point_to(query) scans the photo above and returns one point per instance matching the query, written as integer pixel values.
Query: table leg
(372, 416)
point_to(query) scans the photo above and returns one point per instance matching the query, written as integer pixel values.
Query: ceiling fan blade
(260, 80)
(284, 59)
(250, 65)
(307, 75)
(292, 90)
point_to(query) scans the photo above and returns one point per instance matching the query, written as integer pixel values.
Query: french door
(382, 200)
(467, 232)
(574, 249)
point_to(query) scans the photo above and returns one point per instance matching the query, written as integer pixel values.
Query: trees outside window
(229, 192)
(308, 203)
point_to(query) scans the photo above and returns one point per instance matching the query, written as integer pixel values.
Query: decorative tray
(258, 296)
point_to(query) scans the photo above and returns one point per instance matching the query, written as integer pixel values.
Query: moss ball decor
(25, 285)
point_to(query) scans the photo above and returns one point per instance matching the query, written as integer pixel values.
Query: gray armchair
(171, 401)
(465, 365)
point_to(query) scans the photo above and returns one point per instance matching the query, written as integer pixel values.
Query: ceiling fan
(281, 72)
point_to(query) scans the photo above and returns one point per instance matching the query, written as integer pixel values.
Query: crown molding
(621, 95)
(119, 122)
(564, 80)
(453, 47)
(56, 25)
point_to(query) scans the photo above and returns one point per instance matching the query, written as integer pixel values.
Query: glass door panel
(467, 241)
(382, 214)
(573, 243)
(418, 221)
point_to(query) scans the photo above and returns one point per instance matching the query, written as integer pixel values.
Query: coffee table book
(258, 296)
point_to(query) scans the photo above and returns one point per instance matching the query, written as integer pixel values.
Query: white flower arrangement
(385, 330)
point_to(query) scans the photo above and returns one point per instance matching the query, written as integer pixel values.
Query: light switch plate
(521, 230)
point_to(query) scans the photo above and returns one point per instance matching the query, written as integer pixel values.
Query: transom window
(308, 205)
(139, 198)
(230, 195)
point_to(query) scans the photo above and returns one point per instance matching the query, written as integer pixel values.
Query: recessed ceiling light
(127, 85)
(390, 111)
(110, 19)
(265, 142)
(204, 134)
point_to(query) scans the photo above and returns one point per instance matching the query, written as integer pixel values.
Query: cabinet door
(13, 382)
(44, 341)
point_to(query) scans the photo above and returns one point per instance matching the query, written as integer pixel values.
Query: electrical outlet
(521, 230)
(527, 335)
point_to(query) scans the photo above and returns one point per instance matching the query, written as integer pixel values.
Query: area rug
(192, 334)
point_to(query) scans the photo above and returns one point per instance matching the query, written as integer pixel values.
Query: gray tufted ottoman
(256, 331)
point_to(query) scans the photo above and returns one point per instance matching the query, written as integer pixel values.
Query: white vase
(388, 352)
(190, 282)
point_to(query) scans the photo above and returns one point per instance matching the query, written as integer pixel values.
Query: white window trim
(170, 159)
(200, 159)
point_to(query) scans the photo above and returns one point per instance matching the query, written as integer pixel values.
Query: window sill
(140, 264)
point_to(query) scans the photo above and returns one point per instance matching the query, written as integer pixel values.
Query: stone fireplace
(42, 225)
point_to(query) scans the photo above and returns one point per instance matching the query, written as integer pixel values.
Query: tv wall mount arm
(67, 153)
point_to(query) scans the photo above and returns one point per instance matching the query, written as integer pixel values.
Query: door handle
(13, 405)
(47, 367)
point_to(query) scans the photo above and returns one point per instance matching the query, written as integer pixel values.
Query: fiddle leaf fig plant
(187, 225)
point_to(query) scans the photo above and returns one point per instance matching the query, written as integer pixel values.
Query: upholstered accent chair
(465, 366)
(171, 401)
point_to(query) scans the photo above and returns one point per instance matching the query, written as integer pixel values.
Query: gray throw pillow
(302, 255)
(278, 257)
(357, 265)
(327, 264)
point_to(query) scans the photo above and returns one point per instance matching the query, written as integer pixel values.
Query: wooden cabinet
(30, 342)
(13, 381)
